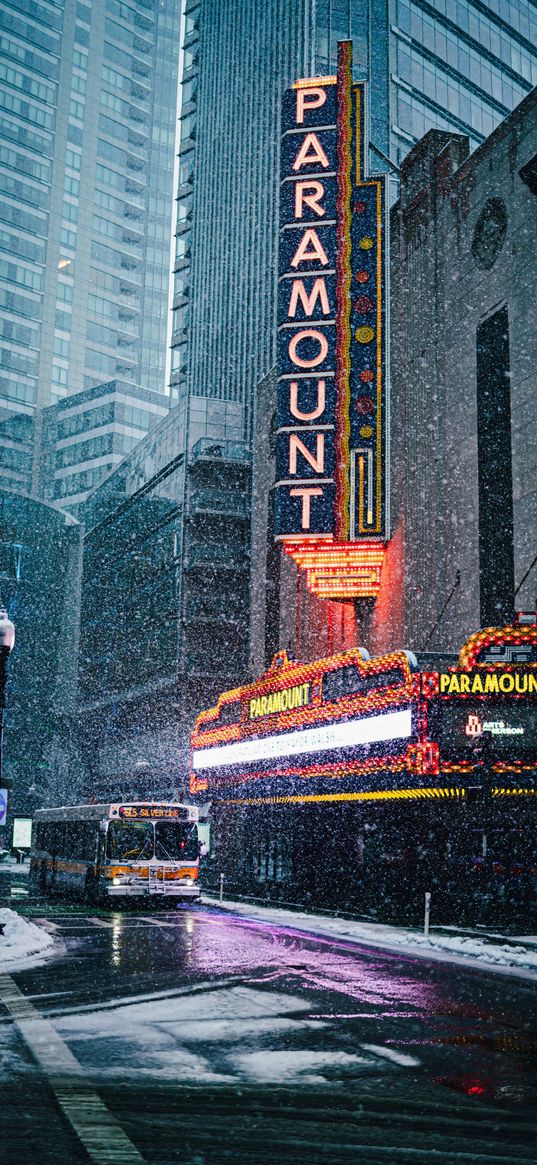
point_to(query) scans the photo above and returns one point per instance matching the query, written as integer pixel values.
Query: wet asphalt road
(193, 1037)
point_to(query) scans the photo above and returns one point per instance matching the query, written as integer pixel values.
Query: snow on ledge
(460, 949)
(23, 944)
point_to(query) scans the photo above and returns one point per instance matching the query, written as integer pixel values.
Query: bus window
(175, 842)
(76, 836)
(56, 842)
(131, 842)
(89, 841)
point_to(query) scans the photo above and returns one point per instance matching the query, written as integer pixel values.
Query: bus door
(101, 858)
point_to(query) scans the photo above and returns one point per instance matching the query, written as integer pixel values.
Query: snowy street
(200, 1036)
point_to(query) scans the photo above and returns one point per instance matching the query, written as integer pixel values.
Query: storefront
(359, 783)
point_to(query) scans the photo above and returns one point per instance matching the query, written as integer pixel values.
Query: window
(186, 170)
(188, 91)
(494, 456)
(116, 79)
(184, 208)
(61, 347)
(174, 841)
(80, 58)
(62, 320)
(78, 84)
(182, 246)
(76, 109)
(64, 291)
(59, 374)
(71, 185)
(68, 238)
(132, 842)
(70, 211)
(14, 273)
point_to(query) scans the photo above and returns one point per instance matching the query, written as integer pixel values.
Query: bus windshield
(132, 842)
(168, 841)
(174, 841)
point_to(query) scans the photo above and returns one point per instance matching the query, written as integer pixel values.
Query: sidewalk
(490, 952)
(10, 865)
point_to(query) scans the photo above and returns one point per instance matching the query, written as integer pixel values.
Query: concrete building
(458, 70)
(164, 612)
(88, 433)
(40, 565)
(458, 67)
(88, 93)
(465, 388)
(464, 415)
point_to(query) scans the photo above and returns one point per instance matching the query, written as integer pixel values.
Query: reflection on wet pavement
(194, 998)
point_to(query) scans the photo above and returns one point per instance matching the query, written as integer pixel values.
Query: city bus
(117, 850)
(320, 772)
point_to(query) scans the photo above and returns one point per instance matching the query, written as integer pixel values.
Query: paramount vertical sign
(331, 456)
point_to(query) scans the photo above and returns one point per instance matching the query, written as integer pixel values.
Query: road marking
(47, 924)
(103, 1138)
(156, 921)
(101, 922)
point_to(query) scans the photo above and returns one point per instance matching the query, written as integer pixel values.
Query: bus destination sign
(152, 812)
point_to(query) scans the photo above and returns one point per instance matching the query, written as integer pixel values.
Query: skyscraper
(88, 93)
(459, 65)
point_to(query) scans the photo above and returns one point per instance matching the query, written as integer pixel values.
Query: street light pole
(7, 640)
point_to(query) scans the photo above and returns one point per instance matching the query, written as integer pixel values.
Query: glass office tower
(451, 64)
(88, 99)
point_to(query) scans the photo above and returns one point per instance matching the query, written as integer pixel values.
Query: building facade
(87, 434)
(459, 67)
(88, 93)
(465, 389)
(461, 554)
(40, 564)
(164, 611)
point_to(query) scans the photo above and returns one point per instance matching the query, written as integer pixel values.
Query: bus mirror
(204, 850)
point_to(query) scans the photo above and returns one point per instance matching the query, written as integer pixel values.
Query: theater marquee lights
(350, 727)
(331, 448)
(370, 730)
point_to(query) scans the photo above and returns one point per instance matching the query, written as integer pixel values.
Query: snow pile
(453, 948)
(22, 944)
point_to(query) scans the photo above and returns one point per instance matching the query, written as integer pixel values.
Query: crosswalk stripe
(103, 1138)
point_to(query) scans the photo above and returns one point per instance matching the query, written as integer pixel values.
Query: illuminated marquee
(283, 700)
(520, 683)
(350, 726)
(331, 452)
(370, 730)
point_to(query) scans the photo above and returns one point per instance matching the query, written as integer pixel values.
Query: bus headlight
(116, 881)
(188, 881)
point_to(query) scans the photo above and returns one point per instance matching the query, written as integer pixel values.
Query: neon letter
(319, 98)
(310, 239)
(303, 335)
(316, 460)
(316, 192)
(305, 158)
(293, 402)
(306, 495)
(318, 291)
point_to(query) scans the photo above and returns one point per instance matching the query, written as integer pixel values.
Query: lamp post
(7, 640)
